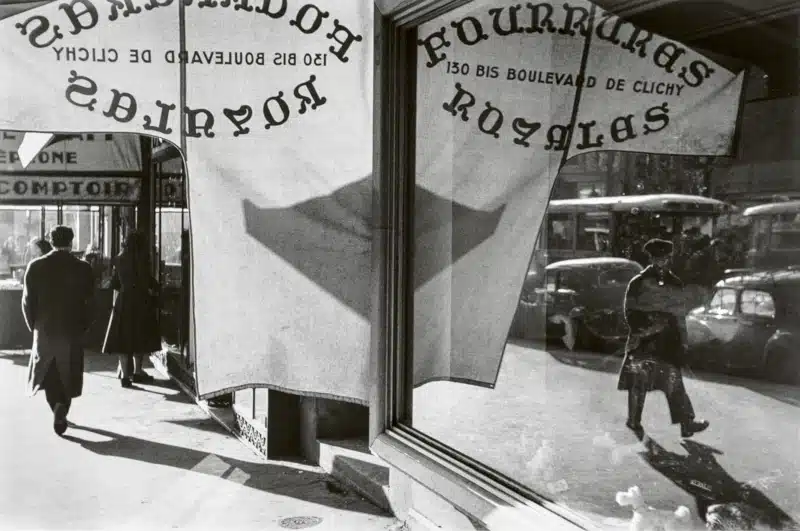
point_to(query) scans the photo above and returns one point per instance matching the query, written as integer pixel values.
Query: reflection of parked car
(578, 301)
(750, 322)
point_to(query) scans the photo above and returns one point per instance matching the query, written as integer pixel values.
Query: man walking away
(56, 303)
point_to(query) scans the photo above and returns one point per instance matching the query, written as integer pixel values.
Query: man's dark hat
(658, 248)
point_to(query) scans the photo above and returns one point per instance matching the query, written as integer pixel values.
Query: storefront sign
(74, 153)
(97, 190)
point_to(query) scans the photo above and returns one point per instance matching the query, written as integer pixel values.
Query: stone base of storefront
(428, 491)
(276, 425)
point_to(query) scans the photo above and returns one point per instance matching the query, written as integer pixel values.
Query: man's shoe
(126, 383)
(690, 428)
(60, 419)
(142, 377)
(636, 428)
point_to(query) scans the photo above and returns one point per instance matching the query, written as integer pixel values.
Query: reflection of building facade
(626, 173)
(767, 163)
(749, 177)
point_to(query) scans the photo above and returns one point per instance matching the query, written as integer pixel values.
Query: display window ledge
(496, 506)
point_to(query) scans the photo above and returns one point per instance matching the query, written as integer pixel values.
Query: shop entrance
(99, 230)
(172, 255)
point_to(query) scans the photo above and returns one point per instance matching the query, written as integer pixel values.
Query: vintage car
(578, 301)
(750, 323)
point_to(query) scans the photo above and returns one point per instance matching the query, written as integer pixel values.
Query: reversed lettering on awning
(97, 190)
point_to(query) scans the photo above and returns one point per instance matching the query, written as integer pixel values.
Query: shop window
(545, 415)
(172, 243)
(19, 227)
(170, 225)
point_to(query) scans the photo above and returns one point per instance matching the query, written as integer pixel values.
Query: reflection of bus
(774, 235)
(615, 226)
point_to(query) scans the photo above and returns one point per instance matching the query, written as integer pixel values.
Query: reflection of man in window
(655, 350)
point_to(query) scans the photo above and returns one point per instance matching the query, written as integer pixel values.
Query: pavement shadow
(178, 397)
(611, 363)
(699, 474)
(306, 485)
(204, 424)
(92, 361)
(17, 357)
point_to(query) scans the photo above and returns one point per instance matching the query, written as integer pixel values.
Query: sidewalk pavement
(555, 421)
(150, 458)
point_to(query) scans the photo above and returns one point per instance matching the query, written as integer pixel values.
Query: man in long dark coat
(655, 308)
(57, 305)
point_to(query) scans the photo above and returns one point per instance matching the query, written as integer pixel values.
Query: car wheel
(782, 367)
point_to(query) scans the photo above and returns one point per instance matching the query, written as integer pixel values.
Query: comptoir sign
(98, 190)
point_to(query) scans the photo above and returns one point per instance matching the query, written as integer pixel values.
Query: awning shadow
(699, 474)
(323, 237)
(306, 485)
(204, 424)
(16, 357)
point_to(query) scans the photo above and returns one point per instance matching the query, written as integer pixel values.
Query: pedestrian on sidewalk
(132, 329)
(655, 309)
(57, 305)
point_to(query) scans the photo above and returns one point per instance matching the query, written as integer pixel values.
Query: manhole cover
(299, 522)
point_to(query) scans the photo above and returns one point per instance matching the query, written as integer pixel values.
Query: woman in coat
(133, 327)
(654, 352)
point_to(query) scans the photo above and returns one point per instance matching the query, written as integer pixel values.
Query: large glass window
(19, 226)
(23, 225)
(507, 96)
(172, 233)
